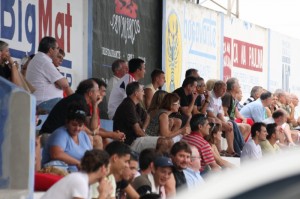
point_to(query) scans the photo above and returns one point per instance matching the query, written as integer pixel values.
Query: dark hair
(118, 148)
(196, 120)
(230, 83)
(132, 87)
(189, 81)
(214, 129)
(117, 64)
(278, 113)
(146, 157)
(271, 128)
(265, 95)
(46, 43)
(99, 82)
(85, 86)
(76, 112)
(168, 100)
(190, 71)
(156, 100)
(256, 127)
(134, 64)
(180, 146)
(155, 73)
(94, 159)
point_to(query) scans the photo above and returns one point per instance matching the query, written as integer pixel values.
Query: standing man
(252, 149)
(44, 77)
(136, 72)
(119, 68)
(130, 117)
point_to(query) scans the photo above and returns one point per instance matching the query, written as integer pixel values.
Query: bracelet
(94, 133)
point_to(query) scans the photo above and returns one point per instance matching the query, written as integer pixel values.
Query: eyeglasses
(176, 103)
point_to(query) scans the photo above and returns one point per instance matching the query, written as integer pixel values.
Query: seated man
(155, 181)
(180, 155)
(192, 172)
(215, 112)
(269, 146)
(254, 94)
(157, 81)
(44, 77)
(118, 93)
(252, 149)
(200, 128)
(188, 95)
(280, 118)
(256, 110)
(130, 117)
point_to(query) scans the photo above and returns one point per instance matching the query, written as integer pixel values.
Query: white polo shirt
(42, 74)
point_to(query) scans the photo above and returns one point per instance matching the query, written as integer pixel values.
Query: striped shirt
(204, 148)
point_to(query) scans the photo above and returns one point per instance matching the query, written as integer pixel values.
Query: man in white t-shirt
(252, 149)
(118, 93)
(44, 77)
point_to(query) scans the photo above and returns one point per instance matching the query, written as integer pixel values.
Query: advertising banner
(284, 63)
(126, 30)
(245, 54)
(191, 39)
(24, 23)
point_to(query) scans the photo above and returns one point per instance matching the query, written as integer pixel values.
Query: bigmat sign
(24, 23)
(191, 39)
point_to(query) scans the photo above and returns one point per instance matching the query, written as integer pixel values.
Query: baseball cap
(163, 162)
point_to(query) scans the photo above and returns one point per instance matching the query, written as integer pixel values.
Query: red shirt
(204, 148)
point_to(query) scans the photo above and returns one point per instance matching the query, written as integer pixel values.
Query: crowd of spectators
(162, 142)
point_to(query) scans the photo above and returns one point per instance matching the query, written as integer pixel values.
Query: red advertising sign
(248, 56)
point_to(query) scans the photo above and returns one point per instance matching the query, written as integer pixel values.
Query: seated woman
(214, 138)
(160, 123)
(66, 145)
(9, 69)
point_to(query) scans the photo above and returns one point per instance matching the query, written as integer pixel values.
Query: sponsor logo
(173, 52)
(125, 22)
